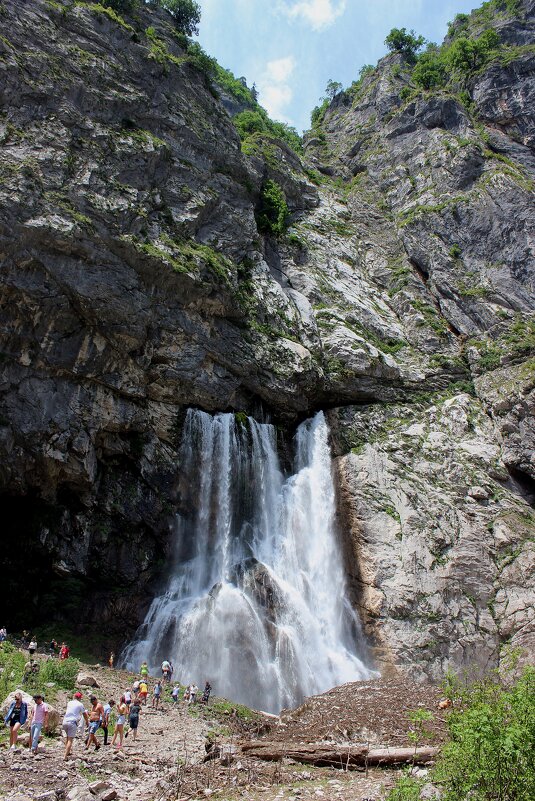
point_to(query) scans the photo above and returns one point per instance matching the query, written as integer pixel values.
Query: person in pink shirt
(38, 719)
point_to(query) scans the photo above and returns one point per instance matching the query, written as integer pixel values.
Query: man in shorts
(96, 716)
(75, 710)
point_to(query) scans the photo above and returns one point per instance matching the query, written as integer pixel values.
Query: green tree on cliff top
(408, 44)
(186, 13)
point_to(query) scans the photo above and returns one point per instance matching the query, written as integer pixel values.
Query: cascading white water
(256, 602)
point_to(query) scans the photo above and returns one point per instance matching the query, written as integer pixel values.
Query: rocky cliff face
(135, 283)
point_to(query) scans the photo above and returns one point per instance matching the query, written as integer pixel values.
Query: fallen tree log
(347, 757)
(402, 756)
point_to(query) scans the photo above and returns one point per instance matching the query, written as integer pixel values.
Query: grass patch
(143, 138)
(447, 362)
(158, 50)
(517, 342)
(392, 512)
(97, 8)
(389, 345)
(413, 214)
(468, 291)
(186, 256)
(221, 707)
(431, 317)
(66, 205)
(12, 663)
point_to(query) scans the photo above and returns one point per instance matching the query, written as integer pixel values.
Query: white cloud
(280, 69)
(275, 99)
(275, 92)
(318, 14)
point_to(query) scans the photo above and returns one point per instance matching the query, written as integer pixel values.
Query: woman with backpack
(133, 719)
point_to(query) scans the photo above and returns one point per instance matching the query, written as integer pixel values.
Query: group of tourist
(127, 709)
(17, 716)
(82, 721)
(52, 647)
(190, 691)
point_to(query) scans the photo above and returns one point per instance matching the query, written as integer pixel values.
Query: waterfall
(256, 602)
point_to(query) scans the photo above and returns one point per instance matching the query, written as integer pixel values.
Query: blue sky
(290, 48)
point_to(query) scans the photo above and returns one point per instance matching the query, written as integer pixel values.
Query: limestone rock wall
(135, 283)
(441, 535)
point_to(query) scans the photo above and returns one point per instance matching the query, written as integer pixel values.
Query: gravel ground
(167, 760)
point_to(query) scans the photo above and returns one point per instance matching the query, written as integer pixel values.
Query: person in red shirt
(64, 651)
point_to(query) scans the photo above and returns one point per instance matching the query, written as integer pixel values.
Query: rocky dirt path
(166, 762)
(141, 771)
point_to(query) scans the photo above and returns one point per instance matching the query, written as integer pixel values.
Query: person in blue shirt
(156, 694)
(106, 721)
(17, 715)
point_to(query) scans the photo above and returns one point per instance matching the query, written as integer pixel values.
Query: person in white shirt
(75, 710)
(166, 670)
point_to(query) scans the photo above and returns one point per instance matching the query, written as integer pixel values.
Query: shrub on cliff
(430, 70)
(318, 112)
(467, 55)
(249, 122)
(287, 133)
(272, 213)
(256, 120)
(408, 44)
(186, 13)
(455, 62)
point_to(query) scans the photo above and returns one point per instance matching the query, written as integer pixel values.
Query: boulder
(24, 739)
(478, 493)
(99, 786)
(79, 793)
(86, 680)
